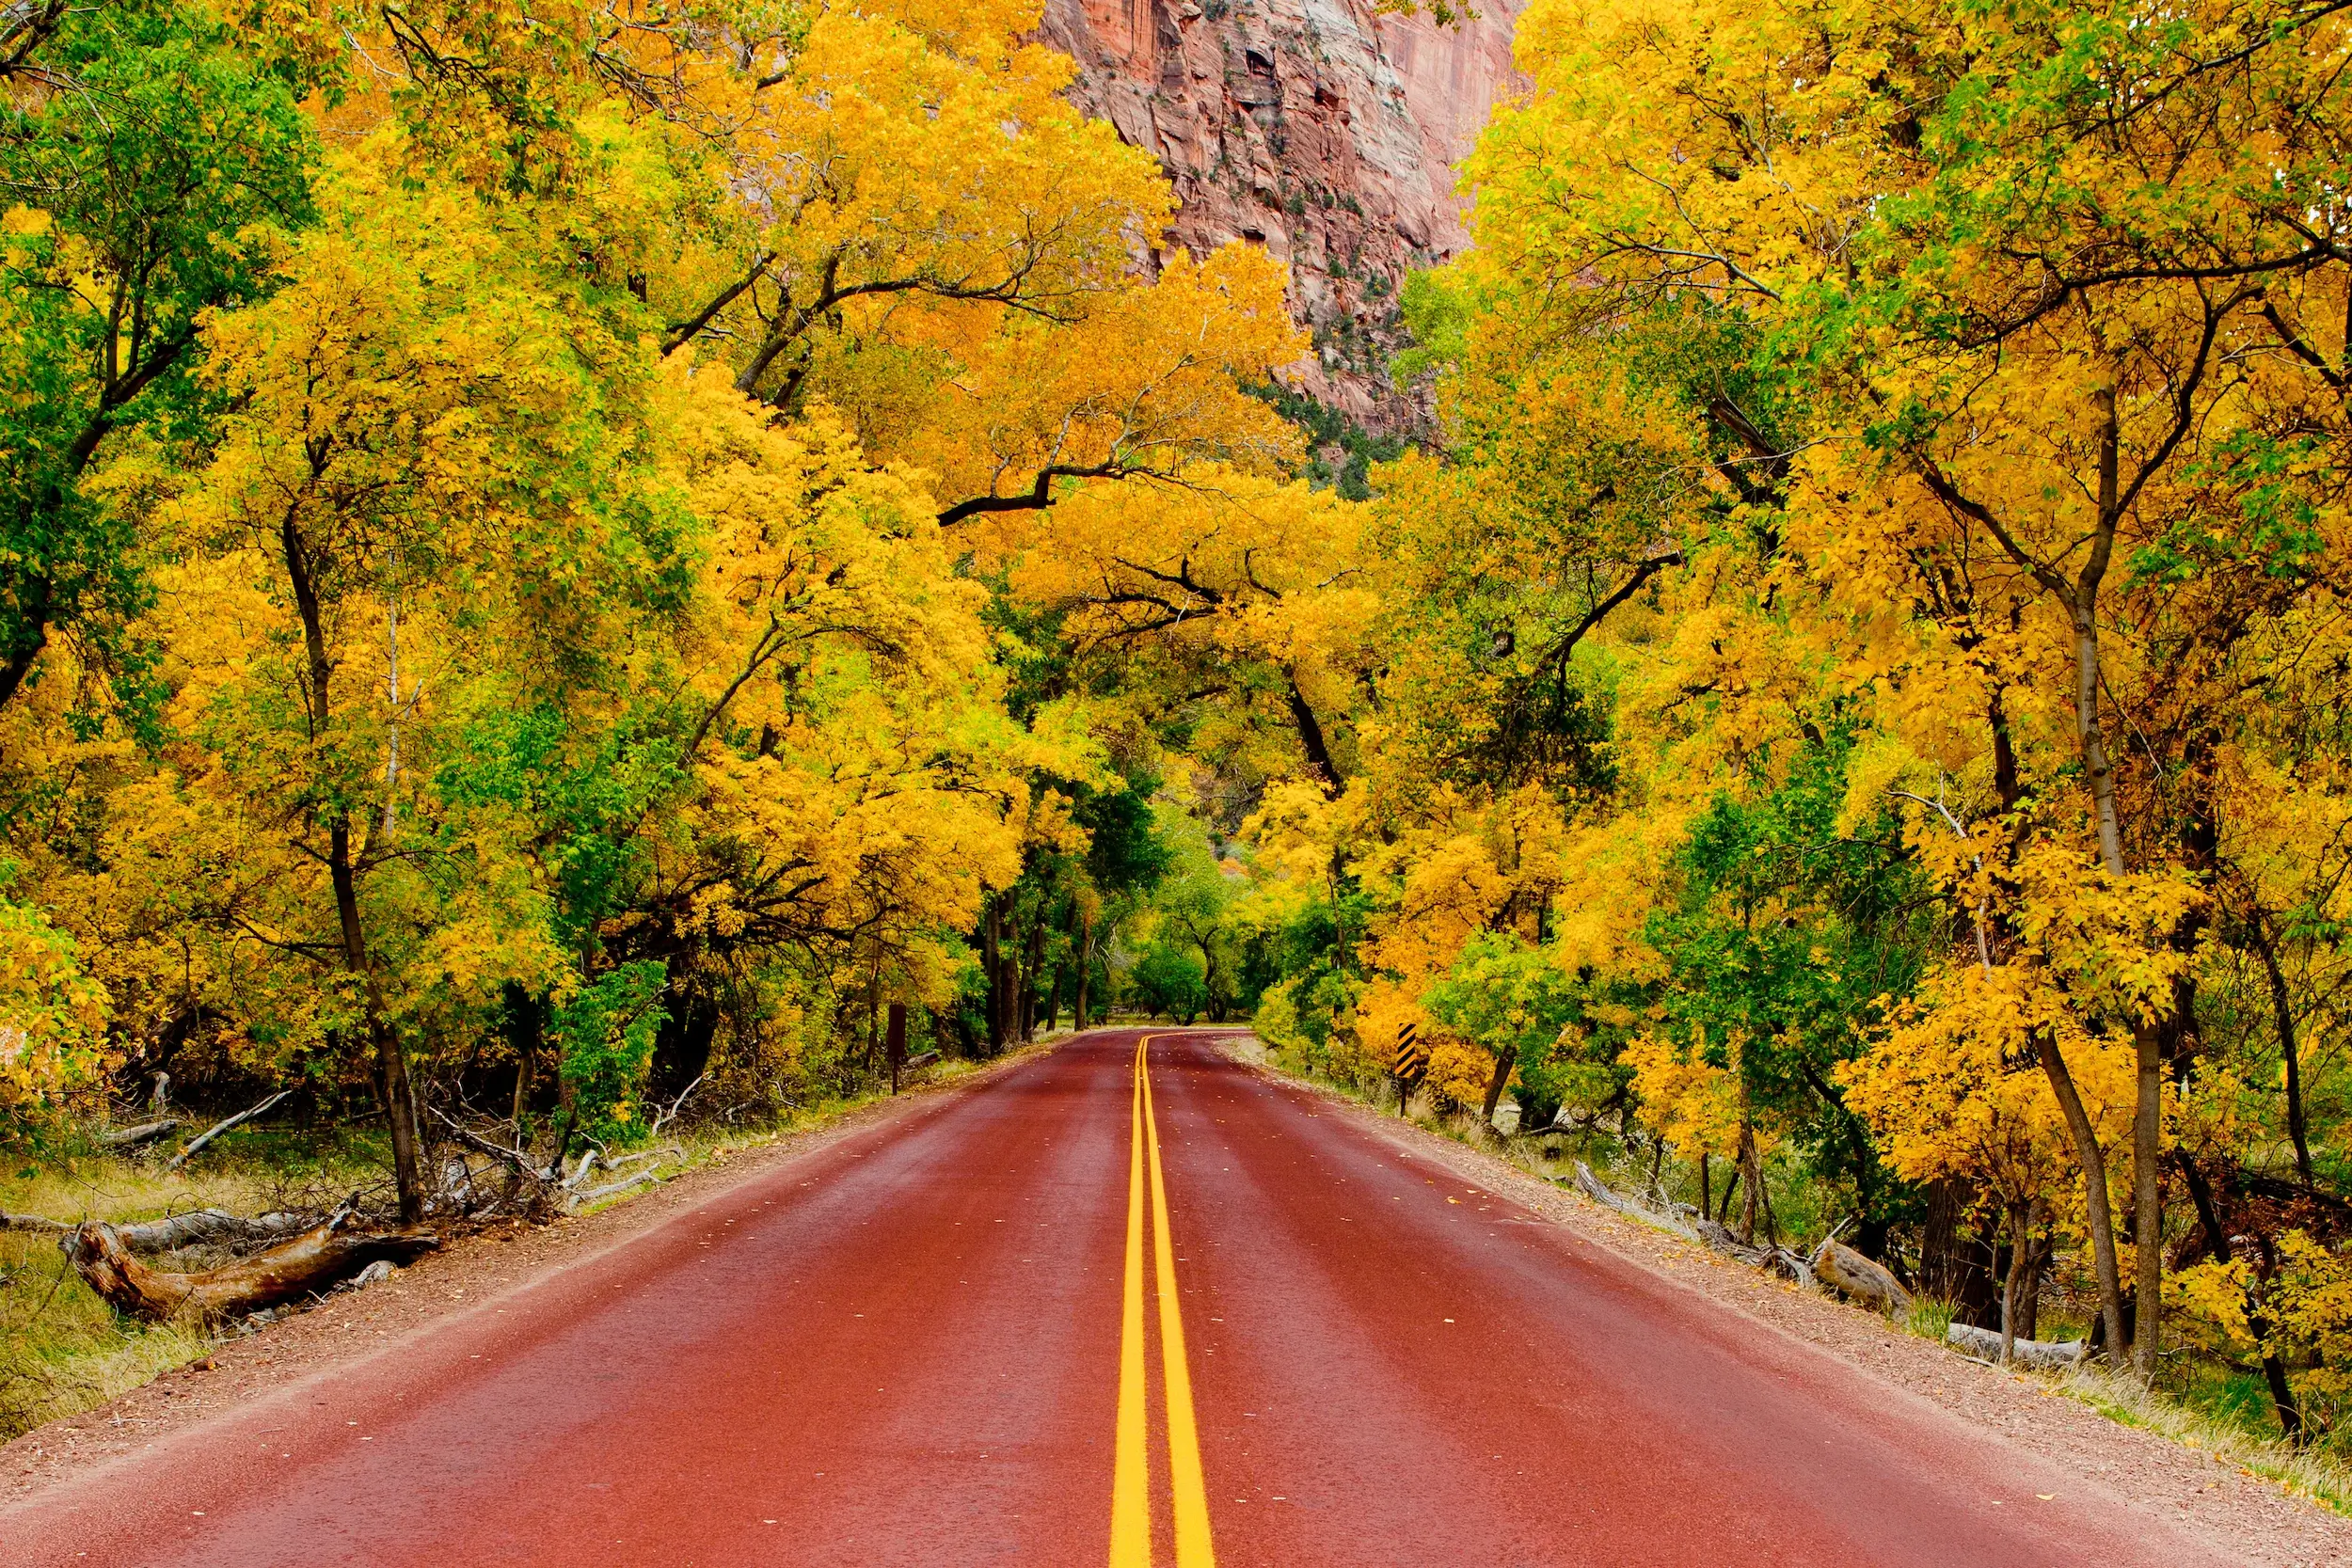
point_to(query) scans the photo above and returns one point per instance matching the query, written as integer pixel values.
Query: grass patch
(1930, 1318)
(62, 1350)
(2121, 1399)
(714, 1143)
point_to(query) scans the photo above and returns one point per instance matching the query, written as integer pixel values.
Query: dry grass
(61, 1349)
(2124, 1399)
(710, 1143)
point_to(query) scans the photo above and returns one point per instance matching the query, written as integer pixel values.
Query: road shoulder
(2234, 1512)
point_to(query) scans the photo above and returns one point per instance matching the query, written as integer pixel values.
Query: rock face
(1314, 128)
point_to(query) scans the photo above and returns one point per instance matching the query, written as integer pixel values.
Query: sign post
(896, 1043)
(1410, 1064)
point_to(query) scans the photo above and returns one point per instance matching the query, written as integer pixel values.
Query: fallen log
(196, 1227)
(1836, 1263)
(520, 1160)
(1671, 1218)
(30, 1222)
(596, 1194)
(1719, 1237)
(211, 1227)
(137, 1137)
(219, 1127)
(1790, 1266)
(311, 1262)
(1598, 1191)
(2041, 1356)
(665, 1117)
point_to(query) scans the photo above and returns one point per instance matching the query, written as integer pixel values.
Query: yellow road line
(1130, 1496)
(1193, 1549)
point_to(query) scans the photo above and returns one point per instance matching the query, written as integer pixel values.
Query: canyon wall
(1315, 128)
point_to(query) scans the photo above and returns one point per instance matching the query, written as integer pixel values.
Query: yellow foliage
(1693, 1105)
(1956, 1089)
(50, 1012)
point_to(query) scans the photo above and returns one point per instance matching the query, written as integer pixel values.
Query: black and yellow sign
(1411, 1059)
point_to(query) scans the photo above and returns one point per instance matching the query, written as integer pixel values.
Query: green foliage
(1170, 982)
(605, 1032)
(1516, 1002)
(154, 188)
(1438, 308)
(1787, 942)
(1325, 428)
(1125, 854)
(51, 1044)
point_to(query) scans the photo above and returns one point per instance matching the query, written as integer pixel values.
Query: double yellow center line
(1131, 1493)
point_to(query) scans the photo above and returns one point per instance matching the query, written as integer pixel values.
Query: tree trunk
(897, 1043)
(958, 1022)
(1952, 1264)
(2097, 1208)
(992, 947)
(1032, 961)
(1008, 983)
(1705, 1197)
(1311, 740)
(2090, 733)
(1943, 1260)
(1208, 975)
(2020, 1259)
(2099, 771)
(2283, 1017)
(2029, 1299)
(391, 1063)
(309, 1262)
(1751, 1182)
(1086, 974)
(1494, 1085)
(2148, 1198)
(522, 1088)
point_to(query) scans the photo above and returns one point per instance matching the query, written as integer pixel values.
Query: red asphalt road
(904, 1348)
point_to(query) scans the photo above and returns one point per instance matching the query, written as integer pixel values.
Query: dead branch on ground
(310, 1262)
(219, 1127)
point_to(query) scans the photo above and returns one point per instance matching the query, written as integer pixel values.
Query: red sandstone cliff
(1312, 127)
